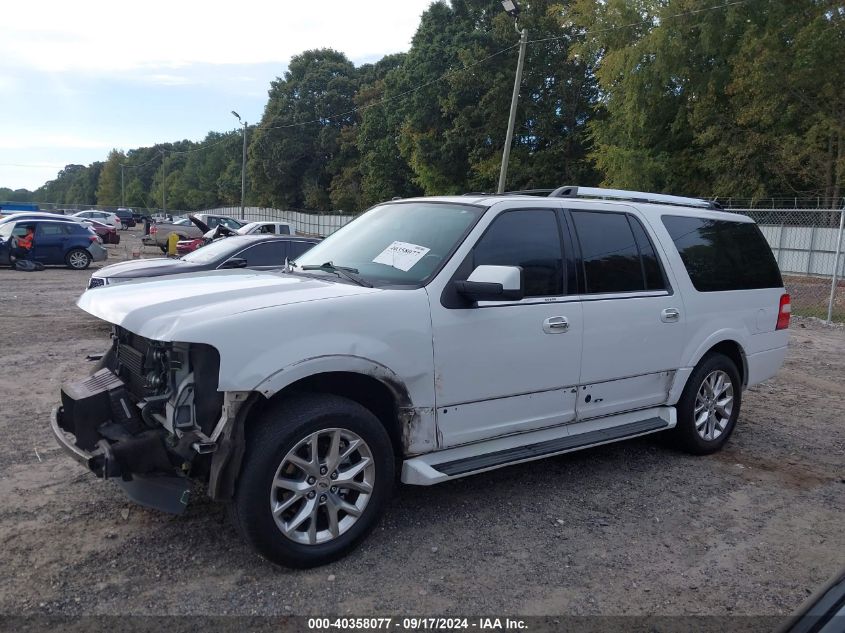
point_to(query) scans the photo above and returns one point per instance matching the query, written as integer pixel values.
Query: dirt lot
(632, 528)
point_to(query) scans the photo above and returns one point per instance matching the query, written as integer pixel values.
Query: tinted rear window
(723, 255)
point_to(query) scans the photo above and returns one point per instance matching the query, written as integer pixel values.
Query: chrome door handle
(670, 315)
(556, 325)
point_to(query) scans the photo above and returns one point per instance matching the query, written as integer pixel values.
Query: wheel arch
(735, 352)
(727, 343)
(368, 382)
(383, 400)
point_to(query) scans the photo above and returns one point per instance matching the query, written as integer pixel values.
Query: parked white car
(272, 228)
(435, 338)
(105, 217)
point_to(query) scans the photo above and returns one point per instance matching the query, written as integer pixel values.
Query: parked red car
(107, 233)
(183, 247)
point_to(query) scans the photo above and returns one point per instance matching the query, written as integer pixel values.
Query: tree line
(741, 99)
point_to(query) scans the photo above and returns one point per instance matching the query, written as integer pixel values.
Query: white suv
(106, 217)
(432, 338)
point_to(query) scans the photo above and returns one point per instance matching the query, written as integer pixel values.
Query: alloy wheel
(713, 405)
(77, 259)
(322, 486)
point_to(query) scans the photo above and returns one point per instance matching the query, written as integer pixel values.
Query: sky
(80, 78)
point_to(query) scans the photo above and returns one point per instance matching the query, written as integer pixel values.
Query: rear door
(50, 241)
(634, 322)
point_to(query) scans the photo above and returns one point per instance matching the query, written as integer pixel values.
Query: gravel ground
(630, 528)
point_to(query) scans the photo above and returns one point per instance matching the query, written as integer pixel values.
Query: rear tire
(300, 511)
(78, 259)
(709, 406)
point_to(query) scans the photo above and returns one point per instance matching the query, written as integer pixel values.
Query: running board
(474, 458)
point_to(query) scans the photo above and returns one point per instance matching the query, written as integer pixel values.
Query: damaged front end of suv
(151, 418)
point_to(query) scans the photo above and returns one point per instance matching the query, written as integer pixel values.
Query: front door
(634, 324)
(509, 367)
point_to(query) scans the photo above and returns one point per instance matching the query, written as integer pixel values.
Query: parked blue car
(56, 242)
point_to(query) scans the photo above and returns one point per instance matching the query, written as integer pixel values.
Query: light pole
(122, 190)
(243, 166)
(512, 9)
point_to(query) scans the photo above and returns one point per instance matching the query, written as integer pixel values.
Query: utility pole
(122, 190)
(512, 9)
(163, 183)
(833, 280)
(243, 166)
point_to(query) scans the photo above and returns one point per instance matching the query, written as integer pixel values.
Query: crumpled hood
(166, 308)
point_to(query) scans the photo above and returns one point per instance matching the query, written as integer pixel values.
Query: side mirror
(492, 283)
(235, 262)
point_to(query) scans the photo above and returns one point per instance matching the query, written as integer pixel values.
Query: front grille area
(96, 282)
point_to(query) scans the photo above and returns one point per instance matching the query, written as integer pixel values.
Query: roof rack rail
(632, 196)
(523, 192)
(529, 192)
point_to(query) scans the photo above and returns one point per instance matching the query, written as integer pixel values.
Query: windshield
(215, 250)
(396, 243)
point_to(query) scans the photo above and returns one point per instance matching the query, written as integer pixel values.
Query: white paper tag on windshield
(401, 255)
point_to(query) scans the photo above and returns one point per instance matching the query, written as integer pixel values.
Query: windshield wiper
(350, 274)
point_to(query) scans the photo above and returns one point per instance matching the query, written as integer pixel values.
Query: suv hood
(168, 309)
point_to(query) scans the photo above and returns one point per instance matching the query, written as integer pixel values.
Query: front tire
(709, 406)
(78, 259)
(317, 473)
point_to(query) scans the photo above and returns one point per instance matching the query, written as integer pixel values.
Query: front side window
(528, 238)
(723, 255)
(614, 258)
(396, 243)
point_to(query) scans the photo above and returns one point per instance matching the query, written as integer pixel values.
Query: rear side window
(723, 255)
(528, 238)
(295, 249)
(53, 229)
(265, 254)
(616, 253)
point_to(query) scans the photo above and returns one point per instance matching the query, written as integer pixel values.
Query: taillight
(93, 238)
(153, 230)
(784, 311)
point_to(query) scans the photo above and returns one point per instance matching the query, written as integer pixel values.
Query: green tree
(744, 100)
(292, 150)
(108, 187)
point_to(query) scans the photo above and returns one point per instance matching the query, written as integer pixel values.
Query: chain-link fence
(807, 244)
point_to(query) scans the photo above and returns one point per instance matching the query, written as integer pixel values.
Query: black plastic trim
(558, 445)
